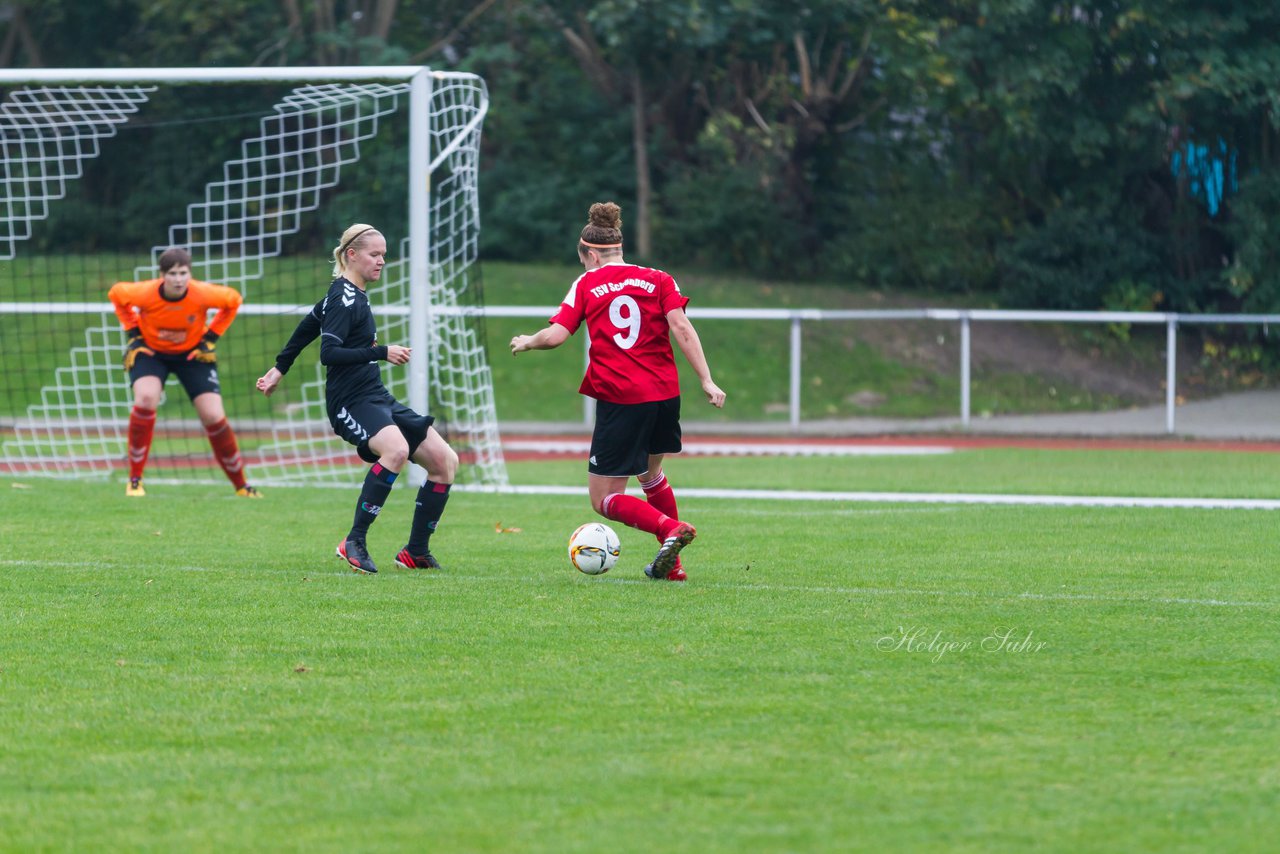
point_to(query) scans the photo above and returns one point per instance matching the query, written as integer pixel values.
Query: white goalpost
(308, 149)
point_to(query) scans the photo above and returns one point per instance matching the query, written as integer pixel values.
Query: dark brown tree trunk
(383, 18)
(20, 34)
(644, 188)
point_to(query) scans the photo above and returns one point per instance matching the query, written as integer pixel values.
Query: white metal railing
(965, 317)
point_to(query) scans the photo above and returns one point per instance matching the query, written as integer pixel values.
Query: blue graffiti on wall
(1211, 174)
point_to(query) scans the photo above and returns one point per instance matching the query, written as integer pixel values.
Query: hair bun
(605, 215)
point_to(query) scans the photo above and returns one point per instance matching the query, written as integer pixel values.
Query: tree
(1087, 105)
(64, 33)
(18, 37)
(107, 33)
(633, 54)
(783, 84)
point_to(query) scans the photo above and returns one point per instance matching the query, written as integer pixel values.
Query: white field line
(94, 565)
(926, 498)
(440, 578)
(935, 498)
(698, 448)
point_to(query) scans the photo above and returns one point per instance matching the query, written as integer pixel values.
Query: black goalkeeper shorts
(196, 377)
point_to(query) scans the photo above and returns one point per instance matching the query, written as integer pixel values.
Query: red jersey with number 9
(625, 308)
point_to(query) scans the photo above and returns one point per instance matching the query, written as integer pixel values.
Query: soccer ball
(594, 548)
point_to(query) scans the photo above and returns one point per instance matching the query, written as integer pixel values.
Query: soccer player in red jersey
(164, 320)
(631, 312)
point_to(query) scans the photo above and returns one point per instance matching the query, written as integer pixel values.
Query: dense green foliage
(1085, 155)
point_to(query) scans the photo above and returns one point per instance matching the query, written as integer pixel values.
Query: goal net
(257, 178)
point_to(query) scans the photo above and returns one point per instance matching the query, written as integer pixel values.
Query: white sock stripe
(648, 486)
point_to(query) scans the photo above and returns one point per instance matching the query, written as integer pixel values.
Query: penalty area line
(924, 498)
(96, 566)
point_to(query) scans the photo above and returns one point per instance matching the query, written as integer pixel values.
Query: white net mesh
(281, 174)
(288, 169)
(47, 134)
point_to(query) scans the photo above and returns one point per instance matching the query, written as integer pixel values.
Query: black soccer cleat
(407, 560)
(356, 556)
(664, 563)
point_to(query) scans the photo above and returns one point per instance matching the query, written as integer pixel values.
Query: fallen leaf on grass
(501, 530)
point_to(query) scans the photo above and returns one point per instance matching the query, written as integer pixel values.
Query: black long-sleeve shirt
(344, 322)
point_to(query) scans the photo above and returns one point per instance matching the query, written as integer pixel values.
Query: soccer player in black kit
(385, 432)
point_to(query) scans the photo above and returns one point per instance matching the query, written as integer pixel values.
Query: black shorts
(196, 377)
(627, 434)
(359, 421)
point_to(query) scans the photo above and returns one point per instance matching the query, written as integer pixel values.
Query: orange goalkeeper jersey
(173, 326)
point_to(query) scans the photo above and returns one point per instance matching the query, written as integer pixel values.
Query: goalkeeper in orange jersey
(164, 320)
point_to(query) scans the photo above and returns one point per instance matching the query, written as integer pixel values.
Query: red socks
(225, 450)
(661, 497)
(142, 424)
(630, 510)
(657, 515)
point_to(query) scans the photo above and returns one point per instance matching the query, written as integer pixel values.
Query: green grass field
(193, 671)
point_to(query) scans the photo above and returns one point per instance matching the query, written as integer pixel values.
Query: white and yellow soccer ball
(594, 548)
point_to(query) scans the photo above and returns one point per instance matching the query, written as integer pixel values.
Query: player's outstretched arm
(544, 339)
(691, 346)
(308, 330)
(267, 382)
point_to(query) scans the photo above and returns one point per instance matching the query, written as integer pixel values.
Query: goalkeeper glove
(204, 351)
(135, 347)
